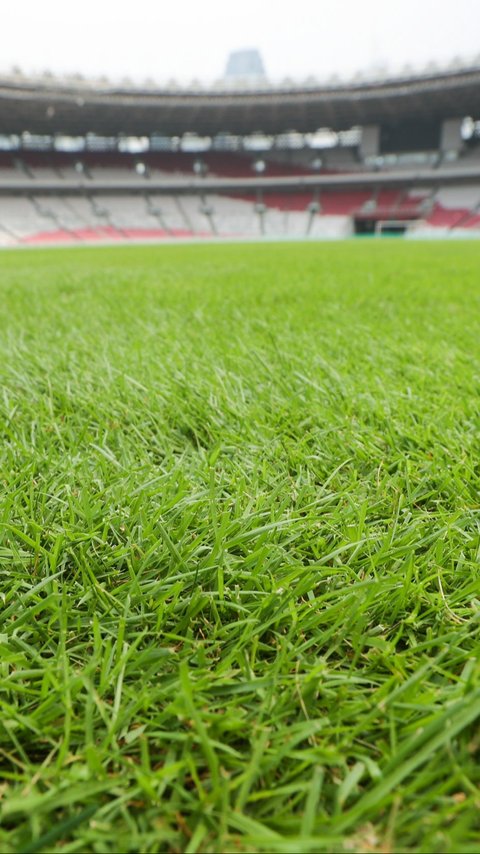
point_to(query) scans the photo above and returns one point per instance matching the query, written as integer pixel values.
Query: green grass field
(239, 548)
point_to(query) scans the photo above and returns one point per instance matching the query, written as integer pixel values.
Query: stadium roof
(49, 105)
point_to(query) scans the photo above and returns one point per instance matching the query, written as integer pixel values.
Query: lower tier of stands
(91, 217)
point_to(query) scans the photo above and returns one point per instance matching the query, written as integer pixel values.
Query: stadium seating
(97, 214)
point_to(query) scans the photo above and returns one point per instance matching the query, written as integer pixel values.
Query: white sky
(190, 38)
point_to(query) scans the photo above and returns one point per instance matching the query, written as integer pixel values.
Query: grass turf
(239, 545)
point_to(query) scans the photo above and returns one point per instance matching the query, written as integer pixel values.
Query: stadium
(239, 468)
(84, 161)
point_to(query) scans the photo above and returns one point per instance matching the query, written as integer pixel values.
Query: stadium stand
(81, 161)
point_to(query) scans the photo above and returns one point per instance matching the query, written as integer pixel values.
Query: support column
(370, 142)
(451, 136)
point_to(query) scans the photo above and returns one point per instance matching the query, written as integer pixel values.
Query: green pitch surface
(239, 548)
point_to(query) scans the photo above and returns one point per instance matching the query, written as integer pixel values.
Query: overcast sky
(188, 39)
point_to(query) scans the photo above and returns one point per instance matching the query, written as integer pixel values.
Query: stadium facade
(83, 160)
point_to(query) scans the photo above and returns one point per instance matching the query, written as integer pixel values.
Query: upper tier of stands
(46, 165)
(92, 165)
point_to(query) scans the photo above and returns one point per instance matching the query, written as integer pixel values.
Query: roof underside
(49, 107)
